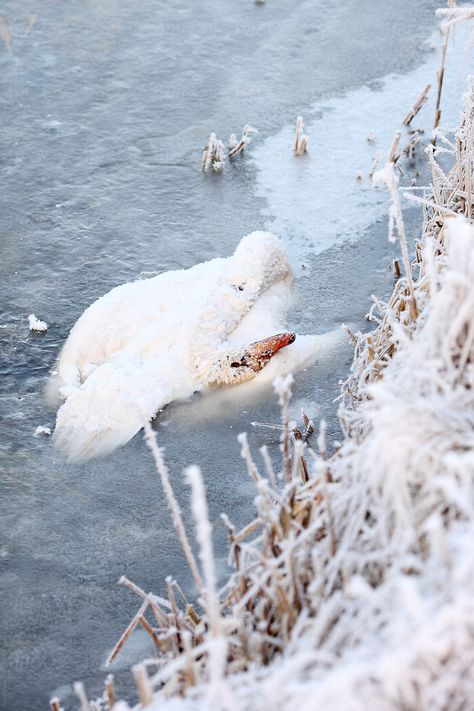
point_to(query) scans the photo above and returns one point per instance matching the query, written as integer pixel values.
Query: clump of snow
(36, 325)
(41, 431)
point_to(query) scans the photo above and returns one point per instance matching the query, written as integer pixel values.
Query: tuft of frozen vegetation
(352, 585)
(36, 325)
(213, 155)
(301, 139)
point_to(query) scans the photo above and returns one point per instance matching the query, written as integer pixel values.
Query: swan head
(236, 366)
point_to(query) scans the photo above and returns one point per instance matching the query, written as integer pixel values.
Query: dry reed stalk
(387, 177)
(151, 599)
(190, 673)
(394, 153)
(203, 535)
(440, 74)
(80, 692)
(236, 147)
(283, 389)
(247, 457)
(350, 335)
(126, 634)
(162, 469)
(159, 647)
(110, 691)
(142, 682)
(419, 103)
(174, 616)
(375, 162)
(267, 462)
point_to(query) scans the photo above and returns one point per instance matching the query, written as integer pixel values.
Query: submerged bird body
(149, 342)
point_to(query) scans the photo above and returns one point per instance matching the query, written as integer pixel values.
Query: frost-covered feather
(149, 342)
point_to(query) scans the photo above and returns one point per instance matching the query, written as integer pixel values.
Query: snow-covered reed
(237, 146)
(301, 139)
(352, 586)
(213, 154)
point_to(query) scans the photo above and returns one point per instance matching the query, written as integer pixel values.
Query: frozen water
(326, 203)
(106, 107)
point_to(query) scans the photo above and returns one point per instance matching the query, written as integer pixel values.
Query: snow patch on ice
(314, 201)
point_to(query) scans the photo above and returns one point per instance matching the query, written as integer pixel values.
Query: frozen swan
(149, 342)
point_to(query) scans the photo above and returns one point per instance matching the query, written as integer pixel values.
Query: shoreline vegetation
(352, 586)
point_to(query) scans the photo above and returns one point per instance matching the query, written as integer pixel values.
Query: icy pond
(105, 109)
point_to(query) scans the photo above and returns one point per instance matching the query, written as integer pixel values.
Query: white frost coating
(315, 202)
(36, 325)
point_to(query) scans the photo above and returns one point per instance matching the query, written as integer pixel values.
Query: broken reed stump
(419, 103)
(394, 154)
(236, 147)
(396, 269)
(110, 691)
(301, 139)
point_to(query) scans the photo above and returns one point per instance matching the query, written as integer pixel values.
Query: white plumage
(149, 342)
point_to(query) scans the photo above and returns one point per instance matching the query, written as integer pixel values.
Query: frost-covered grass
(353, 586)
(214, 153)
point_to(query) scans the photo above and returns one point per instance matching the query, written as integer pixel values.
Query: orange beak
(261, 351)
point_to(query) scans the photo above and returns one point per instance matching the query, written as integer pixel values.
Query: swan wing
(110, 407)
(163, 304)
